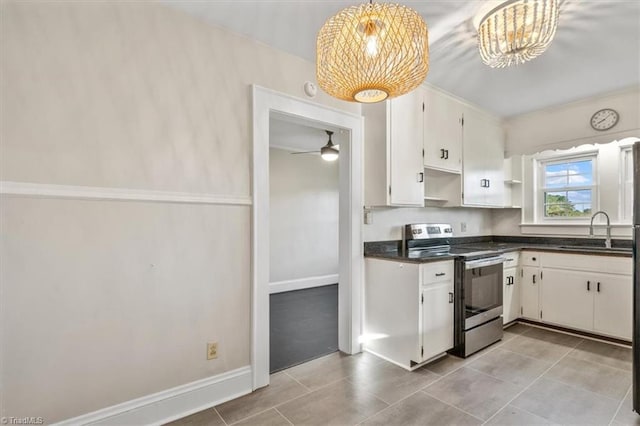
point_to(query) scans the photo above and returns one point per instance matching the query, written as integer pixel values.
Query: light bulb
(372, 45)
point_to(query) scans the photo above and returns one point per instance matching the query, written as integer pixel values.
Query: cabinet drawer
(511, 259)
(530, 258)
(586, 262)
(437, 272)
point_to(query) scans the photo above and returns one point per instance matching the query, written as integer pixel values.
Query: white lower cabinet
(408, 313)
(583, 292)
(510, 295)
(511, 301)
(567, 298)
(530, 294)
(437, 319)
(613, 305)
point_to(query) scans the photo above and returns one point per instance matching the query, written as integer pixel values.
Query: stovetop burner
(447, 250)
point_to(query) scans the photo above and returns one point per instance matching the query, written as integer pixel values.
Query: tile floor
(532, 377)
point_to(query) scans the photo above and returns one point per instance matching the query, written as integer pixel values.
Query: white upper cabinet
(483, 161)
(394, 171)
(442, 132)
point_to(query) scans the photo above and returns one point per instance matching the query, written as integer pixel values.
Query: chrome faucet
(607, 242)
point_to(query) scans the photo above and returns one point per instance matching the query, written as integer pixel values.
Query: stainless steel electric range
(478, 285)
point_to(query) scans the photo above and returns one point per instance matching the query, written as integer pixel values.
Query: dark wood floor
(304, 325)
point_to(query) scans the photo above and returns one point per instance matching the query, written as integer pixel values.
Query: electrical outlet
(212, 350)
(368, 217)
(463, 226)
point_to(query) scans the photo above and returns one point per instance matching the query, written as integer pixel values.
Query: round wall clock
(604, 119)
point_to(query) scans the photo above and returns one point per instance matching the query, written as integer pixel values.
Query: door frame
(350, 250)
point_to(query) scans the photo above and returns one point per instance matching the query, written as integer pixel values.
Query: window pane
(556, 168)
(567, 203)
(579, 197)
(579, 167)
(556, 181)
(580, 180)
(555, 197)
(582, 210)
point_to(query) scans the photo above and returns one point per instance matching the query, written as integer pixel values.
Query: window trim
(625, 152)
(539, 189)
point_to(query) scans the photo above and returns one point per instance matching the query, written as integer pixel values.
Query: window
(567, 188)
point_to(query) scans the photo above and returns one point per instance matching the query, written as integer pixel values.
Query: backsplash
(387, 222)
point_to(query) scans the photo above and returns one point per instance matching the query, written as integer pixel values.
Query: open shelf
(451, 172)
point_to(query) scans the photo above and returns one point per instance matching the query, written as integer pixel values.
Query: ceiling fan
(329, 152)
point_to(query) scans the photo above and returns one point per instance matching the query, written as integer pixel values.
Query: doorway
(303, 242)
(268, 105)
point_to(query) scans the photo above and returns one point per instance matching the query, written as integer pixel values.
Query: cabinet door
(405, 124)
(437, 319)
(613, 305)
(442, 132)
(494, 163)
(529, 292)
(510, 295)
(473, 159)
(566, 298)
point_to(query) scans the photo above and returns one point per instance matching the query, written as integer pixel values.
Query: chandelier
(372, 52)
(517, 31)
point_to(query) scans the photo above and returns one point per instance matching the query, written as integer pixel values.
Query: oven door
(482, 291)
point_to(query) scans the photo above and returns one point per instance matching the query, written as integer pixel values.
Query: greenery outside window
(568, 188)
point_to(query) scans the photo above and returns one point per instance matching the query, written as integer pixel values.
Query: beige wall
(105, 301)
(303, 216)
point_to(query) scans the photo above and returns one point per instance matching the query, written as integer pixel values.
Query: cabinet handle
(588, 285)
(513, 280)
(509, 260)
(534, 278)
(440, 274)
(446, 154)
(598, 287)
(420, 177)
(442, 154)
(488, 183)
(533, 258)
(450, 297)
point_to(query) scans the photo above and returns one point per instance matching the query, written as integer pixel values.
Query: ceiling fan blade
(304, 152)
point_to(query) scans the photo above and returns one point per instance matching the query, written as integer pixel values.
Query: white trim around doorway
(350, 251)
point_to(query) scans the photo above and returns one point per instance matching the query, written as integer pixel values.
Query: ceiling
(296, 135)
(596, 49)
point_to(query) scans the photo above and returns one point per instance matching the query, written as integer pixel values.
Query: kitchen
(137, 149)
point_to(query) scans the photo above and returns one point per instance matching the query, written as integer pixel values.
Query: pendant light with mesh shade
(372, 52)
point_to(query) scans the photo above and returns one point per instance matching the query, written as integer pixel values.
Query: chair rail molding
(40, 190)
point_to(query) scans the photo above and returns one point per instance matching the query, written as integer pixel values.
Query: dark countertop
(389, 250)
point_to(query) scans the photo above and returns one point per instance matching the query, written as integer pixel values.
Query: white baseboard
(172, 404)
(302, 283)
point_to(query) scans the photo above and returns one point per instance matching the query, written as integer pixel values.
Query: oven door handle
(488, 261)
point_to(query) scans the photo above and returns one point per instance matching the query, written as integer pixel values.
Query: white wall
(388, 222)
(105, 301)
(304, 192)
(568, 125)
